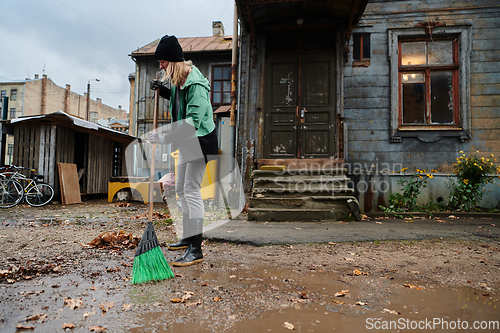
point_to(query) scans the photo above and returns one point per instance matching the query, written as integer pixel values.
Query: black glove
(163, 90)
(155, 84)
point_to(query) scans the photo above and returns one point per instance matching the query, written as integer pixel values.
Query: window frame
(222, 80)
(358, 46)
(432, 132)
(13, 94)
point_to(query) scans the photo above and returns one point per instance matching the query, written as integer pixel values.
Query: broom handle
(153, 153)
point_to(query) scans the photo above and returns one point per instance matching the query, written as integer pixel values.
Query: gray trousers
(188, 186)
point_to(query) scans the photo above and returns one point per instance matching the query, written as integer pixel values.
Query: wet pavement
(373, 228)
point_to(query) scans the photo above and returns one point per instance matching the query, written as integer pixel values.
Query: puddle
(269, 300)
(245, 297)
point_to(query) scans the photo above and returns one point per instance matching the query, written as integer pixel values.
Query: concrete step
(297, 192)
(310, 202)
(303, 215)
(300, 172)
(294, 184)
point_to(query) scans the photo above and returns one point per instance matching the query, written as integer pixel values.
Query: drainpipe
(44, 94)
(233, 93)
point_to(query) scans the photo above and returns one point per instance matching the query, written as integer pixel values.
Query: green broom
(149, 262)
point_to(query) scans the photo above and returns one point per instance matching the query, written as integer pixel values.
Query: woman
(194, 135)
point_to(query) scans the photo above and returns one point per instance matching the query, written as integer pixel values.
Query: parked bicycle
(14, 186)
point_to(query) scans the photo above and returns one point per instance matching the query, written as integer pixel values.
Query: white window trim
(464, 54)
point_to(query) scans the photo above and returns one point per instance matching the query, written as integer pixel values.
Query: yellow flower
(430, 176)
(466, 181)
(461, 152)
(477, 151)
(492, 155)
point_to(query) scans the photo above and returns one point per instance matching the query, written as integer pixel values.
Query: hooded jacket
(192, 105)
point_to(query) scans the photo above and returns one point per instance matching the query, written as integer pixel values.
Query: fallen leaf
(412, 286)
(483, 294)
(24, 327)
(338, 302)
(88, 314)
(97, 329)
(73, 303)
(331, 243)
(93, 287)
(127, 307)
(217, 299)
(176, 300)
(342, 293)
(361, 303)
(105, 306)
(288, 325)
(356, 272)
(391, 311)
(70, 325)
(40, 318)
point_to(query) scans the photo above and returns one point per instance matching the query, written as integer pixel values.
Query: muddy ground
(52, 280)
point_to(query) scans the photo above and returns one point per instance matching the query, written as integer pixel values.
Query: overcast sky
(75, 41)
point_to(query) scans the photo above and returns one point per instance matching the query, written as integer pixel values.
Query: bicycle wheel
(39, 195)
(11, 193)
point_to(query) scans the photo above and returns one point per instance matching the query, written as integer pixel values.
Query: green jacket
(194, 103)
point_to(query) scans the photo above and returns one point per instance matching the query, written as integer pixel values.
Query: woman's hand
(154, 137)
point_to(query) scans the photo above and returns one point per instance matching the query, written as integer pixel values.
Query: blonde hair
(177, 72)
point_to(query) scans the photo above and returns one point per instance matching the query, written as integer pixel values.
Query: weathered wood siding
(367, 89)
(367, 93)
(34, 148)
(99, 164)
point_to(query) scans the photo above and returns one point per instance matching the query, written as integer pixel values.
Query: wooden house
(336, 96)
(41, 142)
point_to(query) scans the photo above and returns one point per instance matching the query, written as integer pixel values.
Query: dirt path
(50, 275)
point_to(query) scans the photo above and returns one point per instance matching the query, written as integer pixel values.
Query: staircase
(301, 195)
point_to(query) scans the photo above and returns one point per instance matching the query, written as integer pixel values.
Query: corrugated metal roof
(192, 44)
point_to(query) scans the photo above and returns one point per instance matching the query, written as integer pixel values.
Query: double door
(300, 113)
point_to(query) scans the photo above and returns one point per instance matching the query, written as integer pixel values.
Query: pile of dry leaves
(115, 240)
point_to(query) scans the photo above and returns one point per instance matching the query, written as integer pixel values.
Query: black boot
(183, 243)
(193, 253)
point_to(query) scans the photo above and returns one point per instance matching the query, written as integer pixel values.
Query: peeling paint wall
(367, 99)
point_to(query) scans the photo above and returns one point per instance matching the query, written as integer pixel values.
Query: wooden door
(300, 117)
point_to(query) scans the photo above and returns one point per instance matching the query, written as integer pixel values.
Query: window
(13, 94)
(12, 113)
(428, 73)
(221, 84)
(429, 83)
(360, 48)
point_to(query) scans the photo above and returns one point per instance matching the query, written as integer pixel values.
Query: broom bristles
(150, 266)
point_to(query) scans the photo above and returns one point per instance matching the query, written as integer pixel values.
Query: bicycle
(36, 193)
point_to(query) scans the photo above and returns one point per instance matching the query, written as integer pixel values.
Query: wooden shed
(41, 142)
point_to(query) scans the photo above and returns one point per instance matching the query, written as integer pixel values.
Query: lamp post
(87, 117)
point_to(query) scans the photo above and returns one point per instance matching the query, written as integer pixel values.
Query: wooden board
(70, 187)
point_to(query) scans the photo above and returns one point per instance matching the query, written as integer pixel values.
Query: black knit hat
(169, 49)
